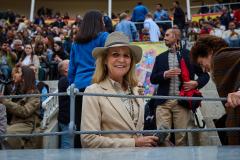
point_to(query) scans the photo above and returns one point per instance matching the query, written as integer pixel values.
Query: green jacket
(26, 110)
(10, 61)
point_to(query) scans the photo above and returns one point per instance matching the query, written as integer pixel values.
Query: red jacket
(193, 105)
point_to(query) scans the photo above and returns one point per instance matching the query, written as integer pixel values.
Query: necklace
(128, 102)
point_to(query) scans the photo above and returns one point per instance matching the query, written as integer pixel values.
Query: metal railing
(158, 22)
(211, 6)
(220, 4)
(73, 92)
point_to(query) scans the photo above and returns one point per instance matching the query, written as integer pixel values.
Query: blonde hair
(149, 15)
(101, 71)
(123, 15)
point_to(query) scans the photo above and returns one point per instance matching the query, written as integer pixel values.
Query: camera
(161, 135)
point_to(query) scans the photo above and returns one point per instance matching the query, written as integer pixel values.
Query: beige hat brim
(136, 51)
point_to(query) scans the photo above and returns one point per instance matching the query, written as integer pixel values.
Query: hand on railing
(147, 141)
(233, 99)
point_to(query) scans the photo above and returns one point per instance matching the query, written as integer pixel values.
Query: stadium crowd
(51, 42)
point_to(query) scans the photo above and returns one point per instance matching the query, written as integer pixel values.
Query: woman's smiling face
(118, 62)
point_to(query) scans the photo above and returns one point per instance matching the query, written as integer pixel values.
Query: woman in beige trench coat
(114, 74)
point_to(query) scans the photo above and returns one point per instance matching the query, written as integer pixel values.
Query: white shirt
(227, 34)
(154, 31)
(217, 32)
(27, 60)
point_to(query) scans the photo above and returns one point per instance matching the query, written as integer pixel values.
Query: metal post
(32, 10)
(188, 10)
(110, 8)
(72, 126)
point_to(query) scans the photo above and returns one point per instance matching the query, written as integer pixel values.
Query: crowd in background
(50, 43)
(226, 26)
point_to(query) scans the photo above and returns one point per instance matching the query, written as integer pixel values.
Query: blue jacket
(82, 64)
(161, 15)
(139, 13)
(129, 29)
(161, 65)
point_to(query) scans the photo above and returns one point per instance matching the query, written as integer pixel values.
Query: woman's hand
(171, 73)
(233, 33)
(190, 85)
(19, 64)
(233, 99)
(146, 141)
(57, 59)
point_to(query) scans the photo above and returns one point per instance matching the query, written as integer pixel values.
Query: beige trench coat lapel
(117, 103)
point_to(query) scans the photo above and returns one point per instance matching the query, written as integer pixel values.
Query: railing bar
(210, 5)
(117, 95)
(160, 131)
(35, 134)
(153, 97)
(126, 132)
(34, 95)
(154, 21)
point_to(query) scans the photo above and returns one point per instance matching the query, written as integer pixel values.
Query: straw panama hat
(117, 39)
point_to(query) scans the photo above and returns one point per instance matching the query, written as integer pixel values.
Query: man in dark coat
(179, 15)
(167, 74)
(64, 105)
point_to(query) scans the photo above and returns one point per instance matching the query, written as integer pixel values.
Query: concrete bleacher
(53, 85)
(49, 122)
(211, 110)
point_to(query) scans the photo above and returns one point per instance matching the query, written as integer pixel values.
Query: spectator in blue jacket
(82, 64)
(127, 27)
(160, 14)
(138, 15)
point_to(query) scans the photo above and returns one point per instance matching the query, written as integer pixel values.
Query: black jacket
(64, 101)
(179, 17)
(161, 65)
